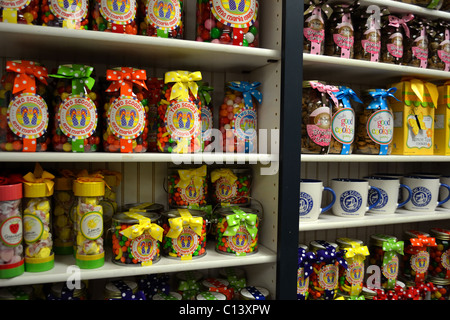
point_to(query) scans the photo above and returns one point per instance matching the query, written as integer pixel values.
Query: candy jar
(154, 86)
(443, 289)
(38, 188)
(375, 128)
(439, 46)
(351, 279)
(384, 251)
(236, 278)
(60, 291)
(188, 283)
(339, 37)
(323, 281)
(63, 201)
(88, 221)
(25, 292)
(184, 234)
(75, 108)
(136, 238)
(316, 116)
(231, 186)
(117, 289)
(204, 92)
(234, 22)
(162, 19)
(125, 112)
(179, 113)
(24, 112)
(394, 34)
(187, 187)
(254, 293)
(11, 231)
(439, 267)
(23, 12)
(114, 16)
(152, 284)
(237, 230)
(218, 285)
(62, 14)
(306, 259)
(343, 121)
(238, 117)
(315, 20)
(416, 54)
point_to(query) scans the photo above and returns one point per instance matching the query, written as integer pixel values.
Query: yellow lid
(89, 187)
(36, 190)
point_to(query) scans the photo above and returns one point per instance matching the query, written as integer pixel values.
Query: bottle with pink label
(315, 20)
(416, 54)
(439, 47)
(394, 32)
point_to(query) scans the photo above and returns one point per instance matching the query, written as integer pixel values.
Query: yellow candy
(43, 206)
(440, 247)
(80, 239)
(92, 248)
(64, 95)
(43, 253)
(44, 235)
(67, 147)
(2, 96)
(8, 146)
(61, 221)
(90, 200)
(64, 234)
(28, 17)
(92, 95)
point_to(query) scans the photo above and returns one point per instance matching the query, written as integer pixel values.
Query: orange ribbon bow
(124, 78)
(27, 72)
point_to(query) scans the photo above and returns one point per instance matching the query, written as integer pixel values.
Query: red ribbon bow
(27, 72)
(396, 22)
(124, 78)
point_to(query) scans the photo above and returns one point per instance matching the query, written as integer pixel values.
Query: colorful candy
(161, 19)
(65, 14)
(440, 255)
(63, 200)
(22, 12)
(187, 187)
(23, 110)
(231, 186)
(114, 16)
(234, 22)
(218, 285)
(204, 92)
(154, 86)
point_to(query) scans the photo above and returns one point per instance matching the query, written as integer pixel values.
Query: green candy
(253, 30)
(215, 33)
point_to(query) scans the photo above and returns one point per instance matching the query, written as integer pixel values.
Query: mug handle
(328, 207)
(448, 197)
(409, 195)
(378, 199)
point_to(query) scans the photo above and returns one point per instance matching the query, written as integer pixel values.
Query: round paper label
(14, 4)
(380, 127)
(190, 194)
(118, 11)
(302, 283)
(420, 261)
(355, 273)
(69, 10)
(126, 117)
(343, 125)
(240, 242)
(225, 190)
(11, 231)
(91, 225)
(390, 269)
(33, 228)
(183, 120)
(186, 243)
(235, 13)
(163, 14)
(245, 124)
(144, 247)
(328, 277)
(27, 116)
(77, 117)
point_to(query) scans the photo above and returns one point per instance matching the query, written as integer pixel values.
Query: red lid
(10, 192)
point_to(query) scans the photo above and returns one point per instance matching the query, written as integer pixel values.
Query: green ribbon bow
(190, 284)
(204, 93)
(237, 219)
(357, 297)
(80, 75)
(237, 283)
(391, 248)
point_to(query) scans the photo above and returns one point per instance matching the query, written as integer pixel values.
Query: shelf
(371, 158)
(335, 69)
(400, 7)
(226, 158)
(329, 221)
(212, 259)
(50, 43)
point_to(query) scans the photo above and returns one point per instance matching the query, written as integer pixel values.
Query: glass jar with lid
(440, 255)
(416, 258)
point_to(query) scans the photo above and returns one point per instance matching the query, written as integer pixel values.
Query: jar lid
(303, 246)
(368, 293)
(10, 192)
(439, 233)
(122, 217)
(438, 281)
(315, 245)
(246, 293)
(215, 283)
(224, 211)
(378, 239)
(347, 242)
(57, 288)
(89, 188)
(111, 290)
(169, 296)
(175, 213)
(210, 295)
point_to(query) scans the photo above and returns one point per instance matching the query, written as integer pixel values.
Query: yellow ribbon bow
(145, 225)
(184, 81)
(39, 183)
(420, 87)
(188, 175)
(185, 220)
(355, 250)
(223, 173)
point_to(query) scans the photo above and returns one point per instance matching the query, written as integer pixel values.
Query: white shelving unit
(361, 74)
(143, 175)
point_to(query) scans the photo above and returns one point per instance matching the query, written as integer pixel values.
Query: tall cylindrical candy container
(11, 231)
(306, 259)
(439, 267)
(23, 12)
(63, 201)
(416, 258)
(65, 14)
(351, 279)
(438, 55)
(204, 92)
(343, 121)
(114, 16)
(234, 22)
(179, 113)
(75, 107)
(237, 231)
(38, 189)
(88, 221)
(323, 282)
(395, 33)
(316, 116)
(315, 23)
(136, 238)
(126, 115)
(375, 129)
(24, 112)
(187, 187)
(184, 234)
(238, 117)
(154, 86)
(163, 19)
(384, 251)
(416, 54)
(231, 185)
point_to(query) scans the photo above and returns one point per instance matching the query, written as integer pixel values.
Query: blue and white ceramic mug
(390, 188)
(352, 197)
(425, 192)
(311, 192)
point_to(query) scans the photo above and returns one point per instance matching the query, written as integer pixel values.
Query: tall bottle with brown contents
(394, 31)
(315, 19)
